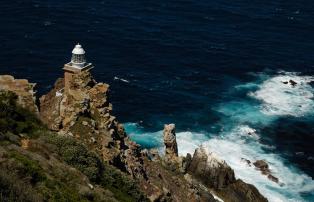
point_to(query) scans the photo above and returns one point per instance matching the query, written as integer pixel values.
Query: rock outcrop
(23, 89)
(292, 82)
(217, 175)
(172, 158)
(84, 112)
(212, 171)
(168, 185)
(264, 168)
(171, 147)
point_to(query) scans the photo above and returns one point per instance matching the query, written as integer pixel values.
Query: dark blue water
(185, 62)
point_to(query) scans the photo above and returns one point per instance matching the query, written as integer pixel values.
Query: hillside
(36, 164)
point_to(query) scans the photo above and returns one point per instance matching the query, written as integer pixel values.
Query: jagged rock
(293, 83)
(170, 141)
(273, 178)
(210, 170)
(83, 109)
(120, 130)
(23, 89)
(133, 161)
(262, 165)
(178, 188)
(186, 162)
(171, 159)
(153, 154)
(52, 106)
(264, 168)
(217, 174)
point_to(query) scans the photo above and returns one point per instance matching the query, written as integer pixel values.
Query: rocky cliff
(23, 89)
(83, 112)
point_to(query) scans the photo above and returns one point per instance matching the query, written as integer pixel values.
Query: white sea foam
(285, 99)
(121, 79)
(188, 142)
(232, 148)
(246, 131)
(240, 140)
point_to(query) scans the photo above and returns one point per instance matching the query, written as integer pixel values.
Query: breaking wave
(287, 94)
(268, 99)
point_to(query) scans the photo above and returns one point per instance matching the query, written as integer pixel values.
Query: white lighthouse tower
(78, 57)
(78, 61)
(77, 65)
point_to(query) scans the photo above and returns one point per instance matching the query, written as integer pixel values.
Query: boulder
(273, 178)
(262, 165)
(264, 168)
(292, 82)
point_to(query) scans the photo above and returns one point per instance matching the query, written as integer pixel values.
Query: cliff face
(82, 111)
(39, 165)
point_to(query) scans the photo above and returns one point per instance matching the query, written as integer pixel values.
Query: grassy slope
(53, 167)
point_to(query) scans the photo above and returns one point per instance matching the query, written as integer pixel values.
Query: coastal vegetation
(37, 164)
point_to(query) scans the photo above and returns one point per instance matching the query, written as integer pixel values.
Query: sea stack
(171, 147)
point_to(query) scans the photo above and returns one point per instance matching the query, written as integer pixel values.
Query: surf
(266, 100)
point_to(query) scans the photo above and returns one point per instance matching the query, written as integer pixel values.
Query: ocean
(215, 68)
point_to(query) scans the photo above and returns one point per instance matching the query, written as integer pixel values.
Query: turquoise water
(211, 67)
(241, 133)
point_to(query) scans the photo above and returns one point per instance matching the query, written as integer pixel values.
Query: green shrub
(78, 156)
(56, 191)
(29, 167)
(14, 189)
(14, 118)
(123, 187)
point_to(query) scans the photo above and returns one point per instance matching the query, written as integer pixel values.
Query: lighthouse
(77, 65)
